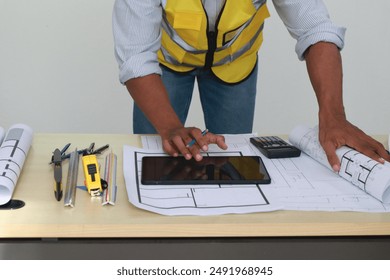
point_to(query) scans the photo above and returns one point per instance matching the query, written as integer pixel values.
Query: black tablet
(210, 170)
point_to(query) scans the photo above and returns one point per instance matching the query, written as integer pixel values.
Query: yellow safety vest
(230, 52)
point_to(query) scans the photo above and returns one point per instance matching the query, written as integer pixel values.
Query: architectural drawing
(301, 183)
(13, 152)
(363, 172)
(313, 187)
(191, 199)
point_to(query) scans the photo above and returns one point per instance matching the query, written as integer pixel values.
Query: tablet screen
(210, 170)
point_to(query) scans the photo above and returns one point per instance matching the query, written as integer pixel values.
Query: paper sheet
(13, 152)
(192, 199)
(363, 172)
(296, 184)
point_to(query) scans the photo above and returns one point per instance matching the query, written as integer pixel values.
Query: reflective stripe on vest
(230, 52)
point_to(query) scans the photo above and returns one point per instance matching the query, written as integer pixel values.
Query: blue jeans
(227, 109)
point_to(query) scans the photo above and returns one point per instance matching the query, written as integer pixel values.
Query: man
(163, 45)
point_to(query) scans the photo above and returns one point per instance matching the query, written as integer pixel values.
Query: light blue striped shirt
(137, 30)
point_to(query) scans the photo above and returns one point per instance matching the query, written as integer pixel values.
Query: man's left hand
(343, 133)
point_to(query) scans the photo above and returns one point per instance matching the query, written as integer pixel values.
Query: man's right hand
(151, 97)
(175, 142)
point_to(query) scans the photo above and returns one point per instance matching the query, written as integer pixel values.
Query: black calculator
(275, 147)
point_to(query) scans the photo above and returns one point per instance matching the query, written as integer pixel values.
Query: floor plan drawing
(13, 152)
(357, 168)
(301, 183)
(363, 172)
(192, 199)
(313, 187)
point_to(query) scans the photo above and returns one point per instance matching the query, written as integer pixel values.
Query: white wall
(58, 72)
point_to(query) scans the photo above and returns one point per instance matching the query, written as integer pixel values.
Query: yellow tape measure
(92, 175)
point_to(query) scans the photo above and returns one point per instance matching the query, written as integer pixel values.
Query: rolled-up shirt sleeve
(137, 37)
(309, 23)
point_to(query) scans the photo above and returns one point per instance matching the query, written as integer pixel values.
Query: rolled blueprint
(13, 152)
(363, 172)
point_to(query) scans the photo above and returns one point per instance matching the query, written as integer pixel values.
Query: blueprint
(191, 199)
(363, 172)
(13, 152)
(299, 183)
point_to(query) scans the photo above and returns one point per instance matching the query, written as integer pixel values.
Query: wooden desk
(44, 218)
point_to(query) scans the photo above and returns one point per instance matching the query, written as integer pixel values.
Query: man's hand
(175, 141)
(150, 95)
(325, 71)
(340, 132)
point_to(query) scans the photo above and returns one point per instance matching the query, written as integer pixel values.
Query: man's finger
(330, 151)
(169, 148)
